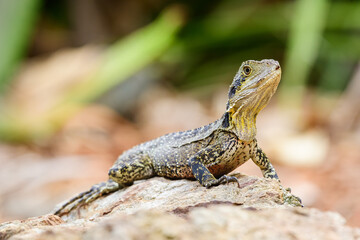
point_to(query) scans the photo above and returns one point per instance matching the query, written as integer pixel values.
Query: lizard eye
(247, 70)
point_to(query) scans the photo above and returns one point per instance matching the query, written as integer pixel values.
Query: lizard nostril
(277, 67)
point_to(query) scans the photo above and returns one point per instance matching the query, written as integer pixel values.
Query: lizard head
(254, 84)
(252, 87)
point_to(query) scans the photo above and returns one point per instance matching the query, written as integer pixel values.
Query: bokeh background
(81, 81)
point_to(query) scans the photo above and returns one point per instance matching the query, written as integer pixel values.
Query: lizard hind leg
(130, 168)
(95, 192)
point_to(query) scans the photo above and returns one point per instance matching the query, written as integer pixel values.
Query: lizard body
(206, 153)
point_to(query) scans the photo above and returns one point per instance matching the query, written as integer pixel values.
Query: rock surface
(159, 208)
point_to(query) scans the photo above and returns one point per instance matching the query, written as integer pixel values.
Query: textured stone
(167, 195)
(159, 208)
(18, 226)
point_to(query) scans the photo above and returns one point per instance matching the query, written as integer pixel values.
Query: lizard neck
(242, 114)
(241, 121)
(244, 124)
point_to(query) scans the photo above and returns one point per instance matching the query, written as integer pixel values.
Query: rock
(19, 226)
(159, 208)
(168, 195)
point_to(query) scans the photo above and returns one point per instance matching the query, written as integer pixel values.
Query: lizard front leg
(261, 160)
(268, 171)
(211, 156)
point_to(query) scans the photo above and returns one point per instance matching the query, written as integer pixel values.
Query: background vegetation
(191, 44)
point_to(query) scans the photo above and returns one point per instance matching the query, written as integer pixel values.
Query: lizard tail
(95, 192)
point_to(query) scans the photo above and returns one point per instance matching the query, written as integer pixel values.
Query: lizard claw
(222, 180)
(226, 179)
(290, 198)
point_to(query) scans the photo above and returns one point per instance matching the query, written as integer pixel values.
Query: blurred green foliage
(132, 53)
(17, 19)
(316, 42)
(307, 37)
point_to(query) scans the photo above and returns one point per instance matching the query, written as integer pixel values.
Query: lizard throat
(242, 119)
(244, 125)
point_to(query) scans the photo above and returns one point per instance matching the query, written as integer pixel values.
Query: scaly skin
(206, 153)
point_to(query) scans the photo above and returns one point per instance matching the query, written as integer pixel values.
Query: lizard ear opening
(226, 120)
(232, 91)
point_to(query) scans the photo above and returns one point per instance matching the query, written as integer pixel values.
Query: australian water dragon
(206, 153)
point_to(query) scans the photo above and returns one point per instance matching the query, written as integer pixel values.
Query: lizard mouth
(272, 78)
(265, 80)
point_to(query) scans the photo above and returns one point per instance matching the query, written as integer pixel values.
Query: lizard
(206, 153)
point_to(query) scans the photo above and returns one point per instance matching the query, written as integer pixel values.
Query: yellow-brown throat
(252, 87)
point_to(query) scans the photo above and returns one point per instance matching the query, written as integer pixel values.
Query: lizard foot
(222, 180)
(290, 198)
(95, 192)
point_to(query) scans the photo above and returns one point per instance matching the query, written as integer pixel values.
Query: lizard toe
(95, 192)
(226, 179)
